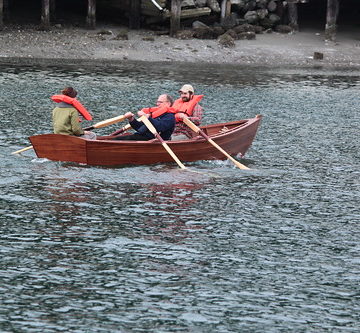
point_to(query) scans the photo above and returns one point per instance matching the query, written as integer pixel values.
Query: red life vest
(186, 107)
(158, 111)
(74, 102)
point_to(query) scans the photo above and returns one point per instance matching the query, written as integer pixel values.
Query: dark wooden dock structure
(172, 12)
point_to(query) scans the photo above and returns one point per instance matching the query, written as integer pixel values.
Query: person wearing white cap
(186, 106)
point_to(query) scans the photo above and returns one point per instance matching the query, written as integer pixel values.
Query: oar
(121, 130)
(196, 129)
(100, 124)
(152, 129)
(106, 122)
(21, 150)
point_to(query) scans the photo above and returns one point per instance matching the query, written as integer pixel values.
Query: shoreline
(100, 48)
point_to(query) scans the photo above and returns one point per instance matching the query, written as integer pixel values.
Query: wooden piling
(91, 14)
(225, 9)
(175, 17)
(331, 19)
(1, 14)
(45, 14)
(293, 15)
(135, 14)
(52, 10)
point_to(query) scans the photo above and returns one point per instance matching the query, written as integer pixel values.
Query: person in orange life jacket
(162, 117)
(186, 106)
(65, 116)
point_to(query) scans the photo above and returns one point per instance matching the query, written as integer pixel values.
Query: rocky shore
(105, 47)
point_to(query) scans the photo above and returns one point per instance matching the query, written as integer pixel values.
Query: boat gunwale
(243, 123)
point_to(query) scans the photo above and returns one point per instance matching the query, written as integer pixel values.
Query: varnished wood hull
(234, 137)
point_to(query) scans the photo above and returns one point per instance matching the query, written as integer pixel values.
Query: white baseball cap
(187, 88)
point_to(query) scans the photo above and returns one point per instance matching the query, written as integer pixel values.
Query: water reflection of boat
(234, 137)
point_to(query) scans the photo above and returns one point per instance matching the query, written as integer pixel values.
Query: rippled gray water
(156, 249)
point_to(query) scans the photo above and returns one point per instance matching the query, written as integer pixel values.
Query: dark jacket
(164, 125)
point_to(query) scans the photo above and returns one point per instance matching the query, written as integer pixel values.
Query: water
(156, 249)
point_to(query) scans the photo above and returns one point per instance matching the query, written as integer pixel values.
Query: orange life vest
(186, 107)
(158, 111)
(74, 102)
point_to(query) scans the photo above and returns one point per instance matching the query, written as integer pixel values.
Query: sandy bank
(80, 46)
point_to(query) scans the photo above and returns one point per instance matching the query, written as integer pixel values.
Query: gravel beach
(101, 47)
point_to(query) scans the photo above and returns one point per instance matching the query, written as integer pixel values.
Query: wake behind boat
(234, 137)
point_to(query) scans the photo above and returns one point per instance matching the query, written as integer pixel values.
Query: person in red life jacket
(65, 115)
(162, 117)
(186, 106)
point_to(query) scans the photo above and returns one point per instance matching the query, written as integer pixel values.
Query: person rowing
(162, 118)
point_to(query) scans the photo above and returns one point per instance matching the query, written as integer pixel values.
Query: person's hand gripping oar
(196, 129)
(100, 124)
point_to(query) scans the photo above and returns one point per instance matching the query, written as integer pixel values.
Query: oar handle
(196, 129)
(153, 130)
(121, 130)
(107, 122)
(21, 150)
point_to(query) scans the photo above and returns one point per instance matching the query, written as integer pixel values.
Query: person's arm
(75, 124)
(139, 127)
(164, 122)
(144, 111)
(197, 114)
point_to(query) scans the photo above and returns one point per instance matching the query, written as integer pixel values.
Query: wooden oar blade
(175, 158)
(237, 163)
(196, 129)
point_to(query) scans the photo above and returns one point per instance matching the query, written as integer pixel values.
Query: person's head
(69, 91)
(186, 92)
(164, 100)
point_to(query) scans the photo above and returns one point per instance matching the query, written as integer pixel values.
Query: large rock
(284, 29)
(261, 13)
(262, 3)
(244, 28)
(249, 5)
(271, 6)
(251, 16)
(274, 18)
(187, 3)
(214, 5)
(122, 35)
(230, 21)
(200, 3)
(266, 23)
(204, 33)
(198, 24)
(185, 34)
(249, 28)
(232, 33)
(226, 40)
(246, 35)
(258, 29)
(218, 31)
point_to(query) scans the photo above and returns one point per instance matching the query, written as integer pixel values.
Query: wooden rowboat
(234, 137)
